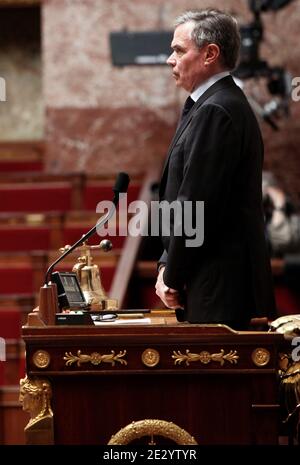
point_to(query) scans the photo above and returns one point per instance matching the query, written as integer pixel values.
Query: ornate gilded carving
(95, 358)
(283, 362)
(205, 357)
(35, 396)
(289, 371)
(41, 359)
(139, 429)
(261, 357)
(150, 357)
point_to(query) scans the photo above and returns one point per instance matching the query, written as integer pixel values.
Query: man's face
(187, 60)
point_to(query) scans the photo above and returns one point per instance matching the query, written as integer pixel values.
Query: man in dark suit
(216, 157)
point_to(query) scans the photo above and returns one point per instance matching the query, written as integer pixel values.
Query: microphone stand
(101, 222)
(44, 314)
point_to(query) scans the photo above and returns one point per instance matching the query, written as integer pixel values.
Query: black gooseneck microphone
(121, 186)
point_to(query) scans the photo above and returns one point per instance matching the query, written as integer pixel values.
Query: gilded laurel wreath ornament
(205, 357)
(95, 358)
(151, 428)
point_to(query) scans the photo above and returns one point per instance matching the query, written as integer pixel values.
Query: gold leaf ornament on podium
(151, 428)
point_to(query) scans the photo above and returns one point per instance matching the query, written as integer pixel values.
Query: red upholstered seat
(16, 280)
(97, 192)
(10, 323)
(21, 156)
(35, 197)
(21, 238)
(18, 166)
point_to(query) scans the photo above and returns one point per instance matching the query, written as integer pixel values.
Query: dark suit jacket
(216, 156)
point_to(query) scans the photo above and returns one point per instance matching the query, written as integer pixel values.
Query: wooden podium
(178, 383)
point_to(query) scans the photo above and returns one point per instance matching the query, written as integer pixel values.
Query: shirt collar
(205, 85)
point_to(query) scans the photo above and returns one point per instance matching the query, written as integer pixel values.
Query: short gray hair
(218, 27)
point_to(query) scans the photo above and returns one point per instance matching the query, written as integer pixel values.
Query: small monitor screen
(71, 286)
(69, 292)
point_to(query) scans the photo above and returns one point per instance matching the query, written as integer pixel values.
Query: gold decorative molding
(95, 358)
(41, 359)
(35, 396)
(290, 385)
(150, 357)
(205, 357)
(261, 357)
(139, 429)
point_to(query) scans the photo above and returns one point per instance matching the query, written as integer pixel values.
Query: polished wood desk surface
(153, 324)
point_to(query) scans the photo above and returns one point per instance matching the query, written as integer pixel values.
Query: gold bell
(89, 278)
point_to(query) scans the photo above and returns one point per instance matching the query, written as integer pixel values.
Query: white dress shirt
(205, 85)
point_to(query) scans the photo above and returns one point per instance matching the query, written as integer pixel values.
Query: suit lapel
(221, 84)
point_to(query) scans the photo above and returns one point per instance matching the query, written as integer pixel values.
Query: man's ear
(212, 53)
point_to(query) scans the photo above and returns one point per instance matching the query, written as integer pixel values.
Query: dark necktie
(187, 107)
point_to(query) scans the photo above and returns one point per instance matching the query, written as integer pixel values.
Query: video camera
(251, 66)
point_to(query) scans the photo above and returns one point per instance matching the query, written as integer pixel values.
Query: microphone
(121, 186)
